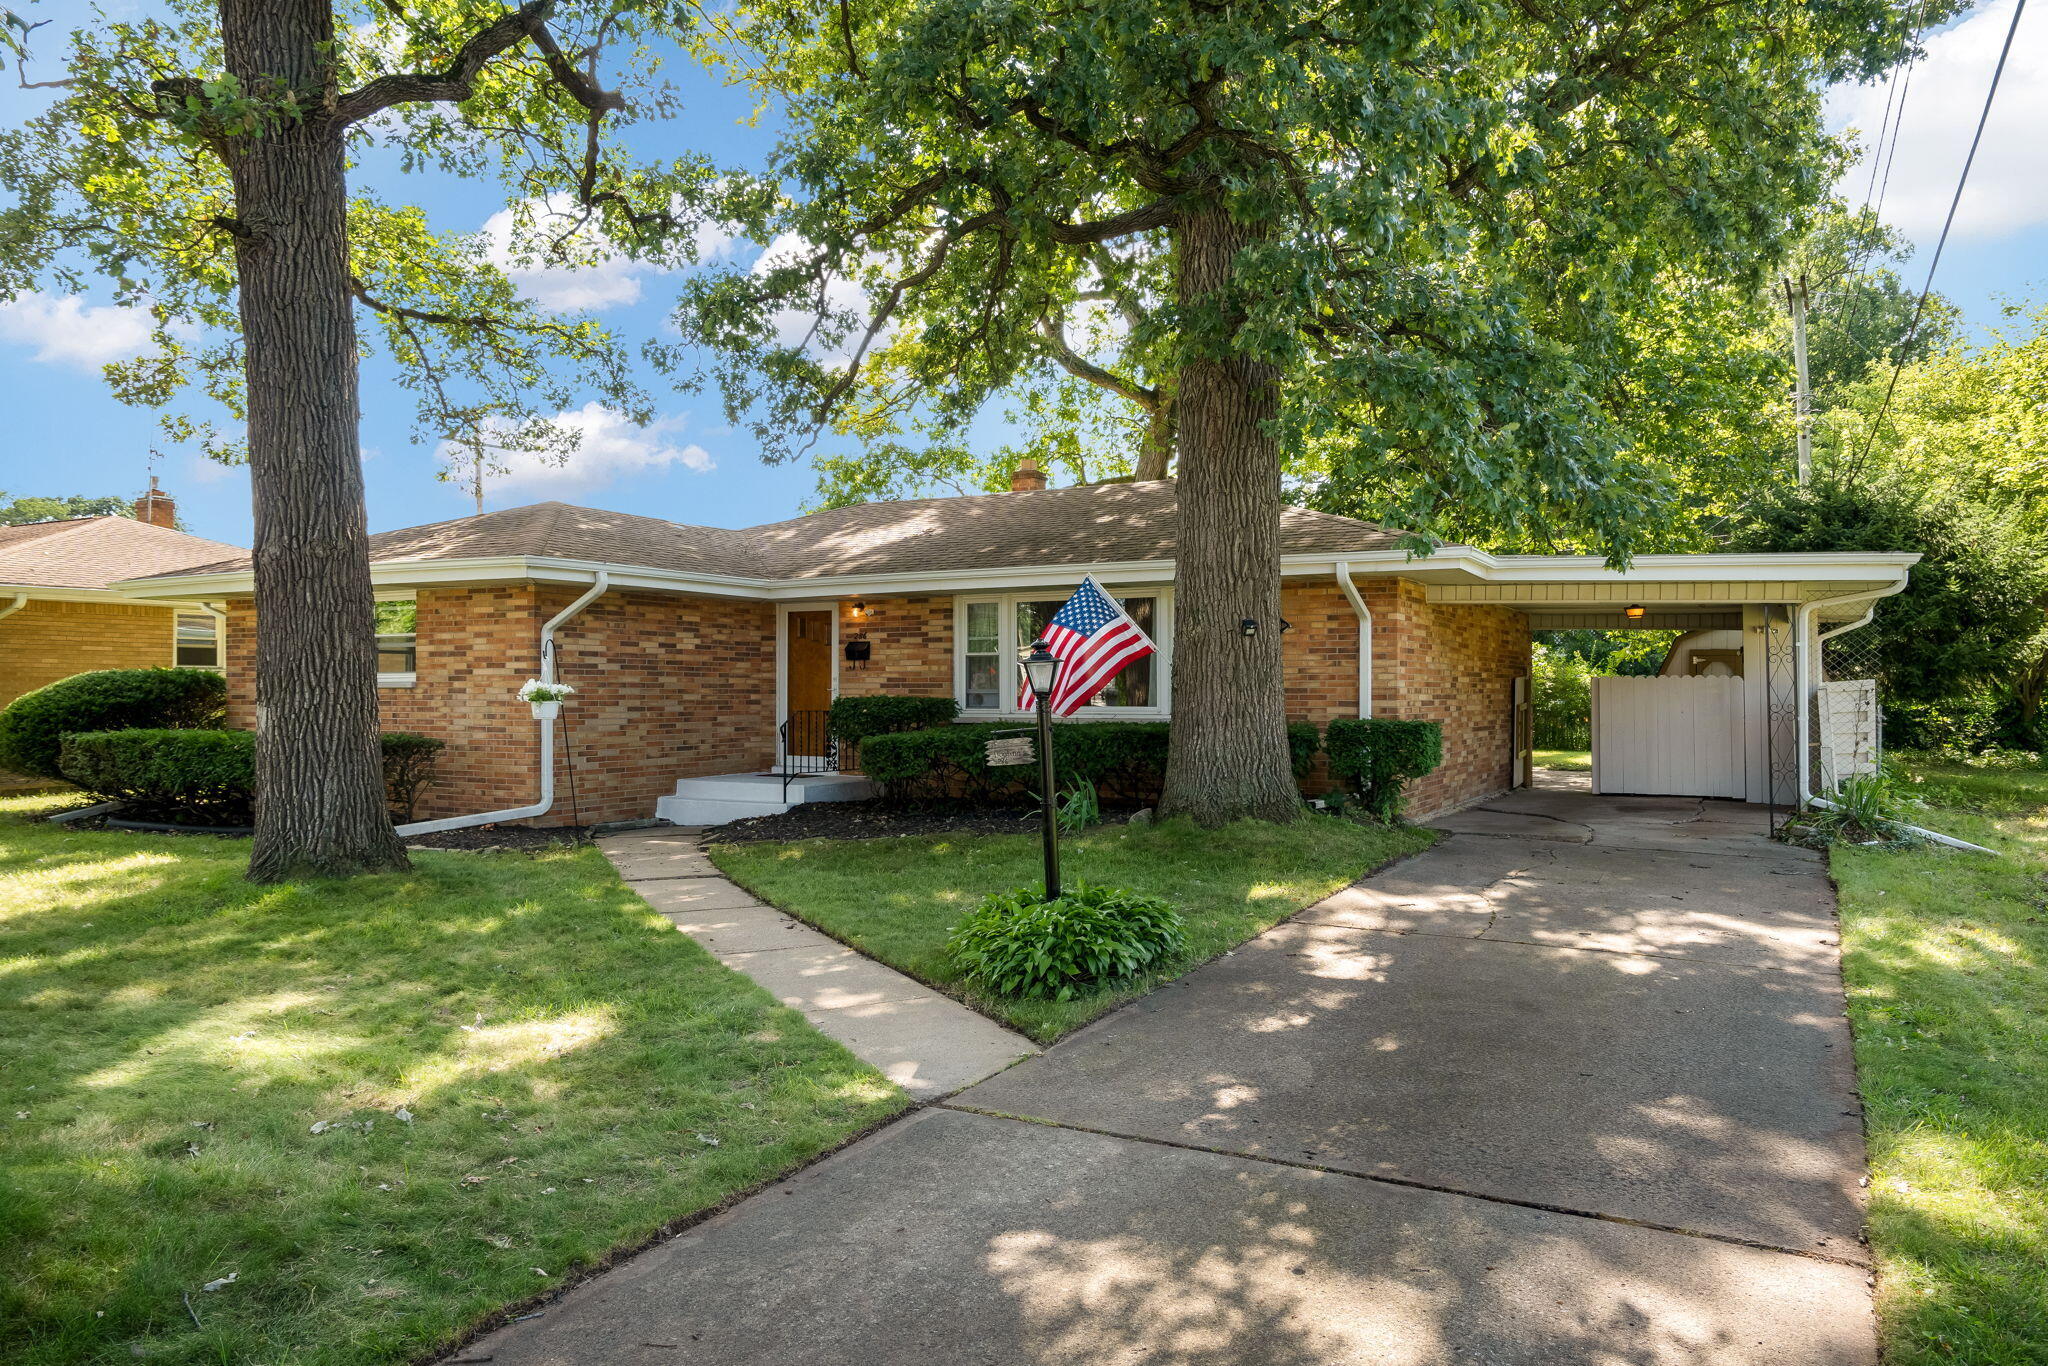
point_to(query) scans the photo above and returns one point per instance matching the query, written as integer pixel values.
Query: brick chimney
(1027, 476)
(156, 507)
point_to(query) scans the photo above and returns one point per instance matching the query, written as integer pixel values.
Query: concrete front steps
(736, 796)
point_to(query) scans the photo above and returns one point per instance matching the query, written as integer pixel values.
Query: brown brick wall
(46, 641)
(671, 687)
(667, 687)
(1457, 665)
(911, 642)
(475, 647)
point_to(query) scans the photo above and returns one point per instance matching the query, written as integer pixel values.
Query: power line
(1920, 308)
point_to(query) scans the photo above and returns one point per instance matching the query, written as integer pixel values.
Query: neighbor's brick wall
(666, 687)
(912, 641)
(46, 641)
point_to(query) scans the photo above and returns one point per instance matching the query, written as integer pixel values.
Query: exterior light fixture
(1042, 669)
(1635, 611)
(1248, 626)
(860, 609)
(1285, 626)
(1041, 666)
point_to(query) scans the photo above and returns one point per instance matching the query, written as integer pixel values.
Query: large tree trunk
(1228, 757)
(319, 784)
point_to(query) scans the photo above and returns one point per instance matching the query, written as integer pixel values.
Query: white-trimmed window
(991, 632)
(196, 644)
(397, 655)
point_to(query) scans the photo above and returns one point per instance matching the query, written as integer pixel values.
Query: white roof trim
(1448, 564)
(118, 597)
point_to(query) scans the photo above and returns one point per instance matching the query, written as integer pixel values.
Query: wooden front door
(807, 660)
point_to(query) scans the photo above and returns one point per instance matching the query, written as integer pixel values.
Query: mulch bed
(874, 820)
(513, 838)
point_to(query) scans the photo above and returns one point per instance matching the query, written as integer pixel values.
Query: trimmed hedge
(191, 777)
(208, 777)
(33, 725)
(855, 719)
(1126, 759)
(1375, 758)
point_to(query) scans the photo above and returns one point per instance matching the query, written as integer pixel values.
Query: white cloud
(590, 273)
(792, 325)
(609, 447)
(2008, 189)
(69, 331)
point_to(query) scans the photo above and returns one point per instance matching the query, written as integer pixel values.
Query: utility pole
(1802, 396)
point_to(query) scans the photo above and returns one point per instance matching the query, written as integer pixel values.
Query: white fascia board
(1447, 563)
(36, 592)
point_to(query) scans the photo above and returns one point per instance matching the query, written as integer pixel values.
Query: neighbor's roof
(1080, 525)
(94, 552)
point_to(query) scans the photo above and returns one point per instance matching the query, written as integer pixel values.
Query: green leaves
(1019, 944)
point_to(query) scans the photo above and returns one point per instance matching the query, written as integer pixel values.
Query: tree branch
(1080, 367)
(453, 82)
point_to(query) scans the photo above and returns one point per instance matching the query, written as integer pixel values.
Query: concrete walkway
(1572, 1087)
(925, 1042)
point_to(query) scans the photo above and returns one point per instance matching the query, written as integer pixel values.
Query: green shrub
(207, 777)
(33, 726)
(409, 763)
(1865, 809)
(1377, 757)
(1126, 759)
(191, 777)
(1018, 944)
(855, 719)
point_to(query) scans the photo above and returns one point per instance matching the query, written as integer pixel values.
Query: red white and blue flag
(1094, 638)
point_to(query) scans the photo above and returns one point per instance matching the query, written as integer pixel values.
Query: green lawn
(895, 899)
(573, 1074)
(1571, 760)
(1946, 960)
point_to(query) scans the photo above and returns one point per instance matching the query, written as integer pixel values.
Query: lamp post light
(1042, 667)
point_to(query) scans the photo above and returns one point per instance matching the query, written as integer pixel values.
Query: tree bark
(1228, 756)
(319, 778)
(1155, 457)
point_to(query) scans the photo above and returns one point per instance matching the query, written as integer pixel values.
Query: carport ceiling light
(1635, 611)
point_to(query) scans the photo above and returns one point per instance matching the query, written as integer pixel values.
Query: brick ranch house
(691, 647)
(60, 613)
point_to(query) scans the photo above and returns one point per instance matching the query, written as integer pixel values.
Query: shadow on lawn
(575, 1072)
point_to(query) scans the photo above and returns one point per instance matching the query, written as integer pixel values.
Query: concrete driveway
(1573, 1087)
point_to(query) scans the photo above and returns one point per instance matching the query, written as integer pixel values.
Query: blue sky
(67, 435)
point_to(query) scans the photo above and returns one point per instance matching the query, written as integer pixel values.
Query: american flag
(1094, 638)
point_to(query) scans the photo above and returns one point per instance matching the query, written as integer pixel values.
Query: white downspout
(1351, 595)
(20, 601)
(1802, 673)
(600, 581)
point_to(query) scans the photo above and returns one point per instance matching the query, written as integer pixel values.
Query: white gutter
(1364, 636)
(1802, 675)
(545, 802)
(20, 601)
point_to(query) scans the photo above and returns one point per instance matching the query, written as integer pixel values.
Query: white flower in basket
(545, 698)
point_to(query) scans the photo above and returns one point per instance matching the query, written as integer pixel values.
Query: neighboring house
(695, 649)
(60, 613)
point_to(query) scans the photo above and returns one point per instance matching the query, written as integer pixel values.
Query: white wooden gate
(1669, 735)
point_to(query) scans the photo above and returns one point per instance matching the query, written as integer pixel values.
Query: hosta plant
(1018, 943)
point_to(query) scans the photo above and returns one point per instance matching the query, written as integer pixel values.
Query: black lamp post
(1042, 667)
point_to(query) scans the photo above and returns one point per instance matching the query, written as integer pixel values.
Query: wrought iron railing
(807, 747)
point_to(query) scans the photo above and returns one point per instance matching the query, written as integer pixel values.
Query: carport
(1735, 713)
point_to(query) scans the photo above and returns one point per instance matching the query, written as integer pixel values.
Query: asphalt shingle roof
(94, 552)
(1083, 524)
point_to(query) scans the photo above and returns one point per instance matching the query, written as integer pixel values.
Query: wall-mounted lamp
(860, 609)
(1285, 626)
(1248, 626)
(1635, 611)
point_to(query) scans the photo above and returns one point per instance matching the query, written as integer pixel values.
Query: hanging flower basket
(544, 698)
